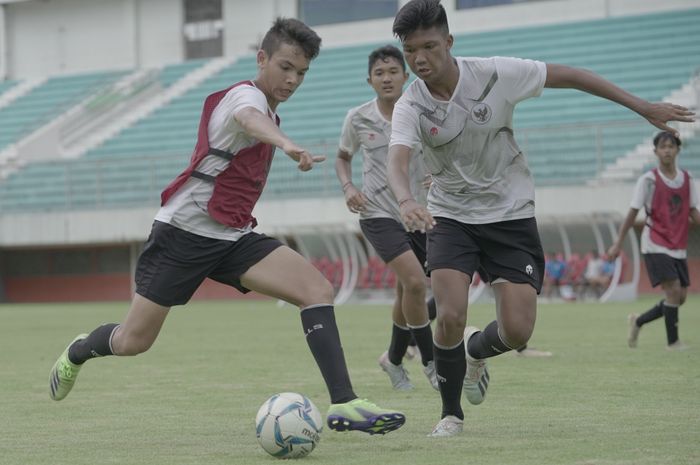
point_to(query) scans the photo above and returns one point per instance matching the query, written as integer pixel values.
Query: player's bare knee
(674, 295)
(130, 344)
(452, 321)
(319, 292)
(414, 285)
(516, 337)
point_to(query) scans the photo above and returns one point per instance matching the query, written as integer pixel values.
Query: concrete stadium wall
(98, 287)
(274, 216)
(72, 36)
(39, 38)
(61, 231)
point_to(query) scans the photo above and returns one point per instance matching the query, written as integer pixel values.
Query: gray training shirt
(479, 173)
(365, 128)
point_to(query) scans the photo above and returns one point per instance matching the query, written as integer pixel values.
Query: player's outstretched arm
(354, 198)
(262, 128)
(614, 249)
(658, 114)
(414, 215)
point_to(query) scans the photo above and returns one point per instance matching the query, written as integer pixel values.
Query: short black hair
(666, 135)
(419, 14)
(293, 32)
(384, 53)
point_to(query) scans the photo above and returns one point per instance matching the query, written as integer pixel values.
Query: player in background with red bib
(670, 199)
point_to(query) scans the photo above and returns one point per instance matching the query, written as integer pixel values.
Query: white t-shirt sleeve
(640, 193)
(405, 125)
(235, 100)
(522, 78)
(349, 140)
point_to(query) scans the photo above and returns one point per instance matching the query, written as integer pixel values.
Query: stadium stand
(567, 136)
(44, 102)
(7, 85)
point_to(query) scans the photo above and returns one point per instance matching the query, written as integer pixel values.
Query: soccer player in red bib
(204, 228)
(669, 198)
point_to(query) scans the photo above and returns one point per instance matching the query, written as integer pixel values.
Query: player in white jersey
(480, 213)
(367, 128)
(669, 198)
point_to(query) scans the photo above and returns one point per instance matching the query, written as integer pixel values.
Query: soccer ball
(288, 425)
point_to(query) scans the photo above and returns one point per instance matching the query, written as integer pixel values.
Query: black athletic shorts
(509, 250)
(390, 239)
(174, 262)
(662, 267)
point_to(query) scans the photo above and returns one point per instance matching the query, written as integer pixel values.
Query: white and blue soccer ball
(288, 425)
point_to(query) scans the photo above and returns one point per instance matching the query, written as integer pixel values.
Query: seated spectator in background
(595, 277)
(608, 267)
(573, 274)
(554, 271)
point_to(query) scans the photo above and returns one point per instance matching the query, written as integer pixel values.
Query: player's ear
(369, 80)
(261, 57)
(450, 41)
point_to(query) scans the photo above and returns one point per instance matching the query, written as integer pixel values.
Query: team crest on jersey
(434, 131)
(481, 113)
(371, 136)
(675, 204)
(529, 270)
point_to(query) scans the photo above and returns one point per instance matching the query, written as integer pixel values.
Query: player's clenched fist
(415, 216)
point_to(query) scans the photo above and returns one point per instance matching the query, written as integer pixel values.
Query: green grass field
(193, 397)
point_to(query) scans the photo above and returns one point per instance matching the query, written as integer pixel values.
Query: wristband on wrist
(401, 202)
(345, 186)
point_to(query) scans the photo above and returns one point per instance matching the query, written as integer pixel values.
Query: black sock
(451, 366)
(400, 337)
(95, 345)
(424, 338)
(671, 320)
(432, 308)
(324, 341)
(651, 315)
(487, 343)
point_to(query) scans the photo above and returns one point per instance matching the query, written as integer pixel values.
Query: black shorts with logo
(390, 239)
(174, 262)
(662, 267)
(510, 250)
